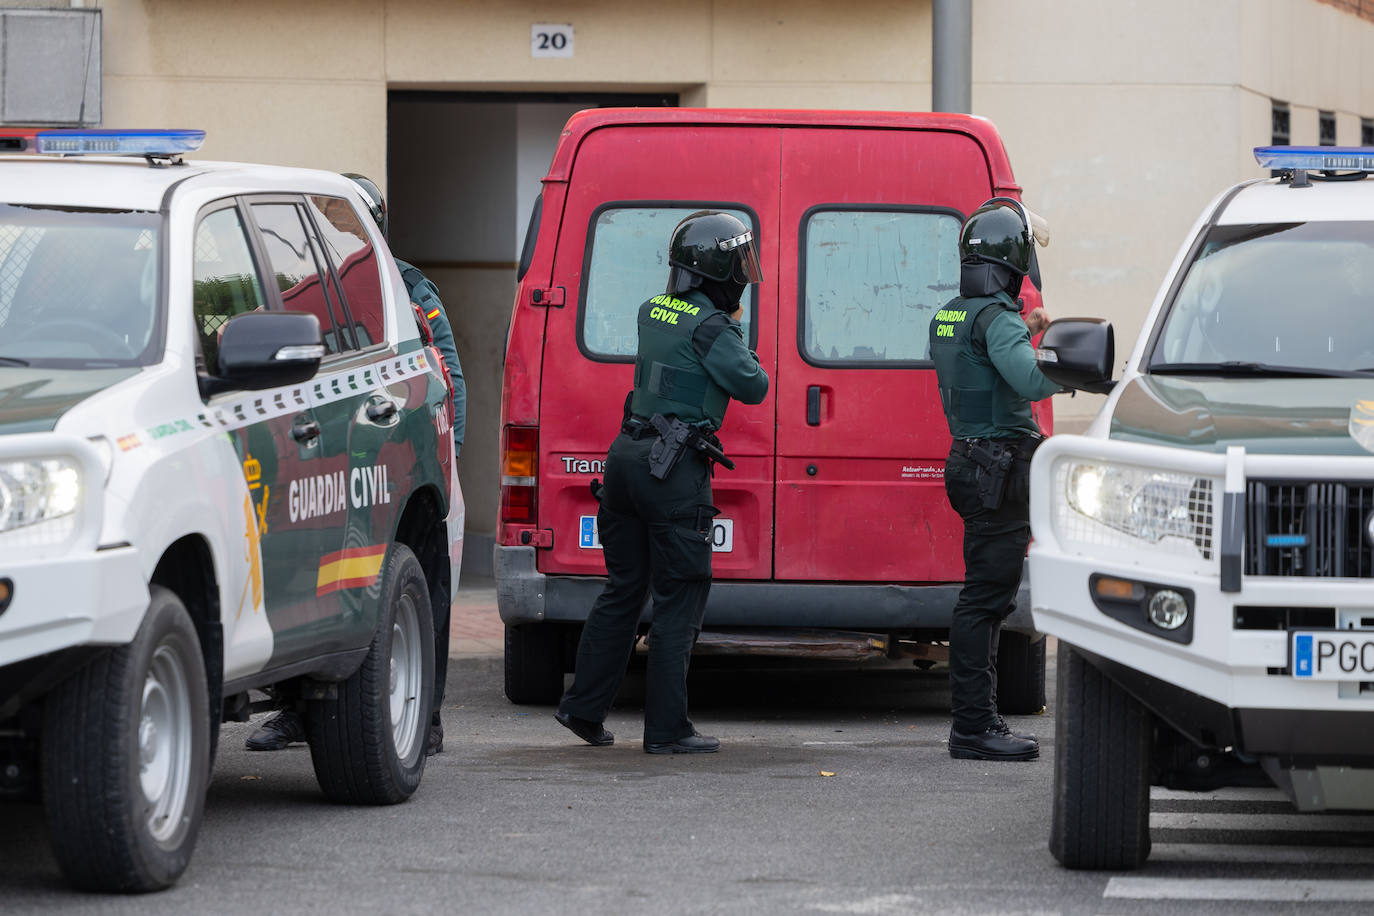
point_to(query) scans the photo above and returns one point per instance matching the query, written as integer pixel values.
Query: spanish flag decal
(356, 567)
(432, 315)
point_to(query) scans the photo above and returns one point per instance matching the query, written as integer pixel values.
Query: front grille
(1295, 528)
(1284, 618)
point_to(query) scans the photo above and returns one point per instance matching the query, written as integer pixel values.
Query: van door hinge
(547, 296)
(541, 537)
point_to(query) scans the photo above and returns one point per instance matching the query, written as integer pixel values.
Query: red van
(834, 535)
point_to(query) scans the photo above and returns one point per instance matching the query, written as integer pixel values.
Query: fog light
(1168, 609)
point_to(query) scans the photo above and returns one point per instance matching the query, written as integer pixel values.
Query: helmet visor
(746, 267)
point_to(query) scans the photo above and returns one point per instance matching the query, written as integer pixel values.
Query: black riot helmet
(376, 203)
(714, 252)
(997, 248)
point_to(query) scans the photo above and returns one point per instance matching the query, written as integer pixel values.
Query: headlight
(37, 490)
(1145, 504)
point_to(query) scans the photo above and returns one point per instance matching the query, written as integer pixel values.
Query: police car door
(309, 486)
(869, 254)
(391, 439)
(274, 432)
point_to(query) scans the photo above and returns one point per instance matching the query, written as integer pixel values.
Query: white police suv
(1205, 552)
(225, 464)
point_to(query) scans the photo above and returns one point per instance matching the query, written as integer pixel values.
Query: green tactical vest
(973, 392)
(669, 378)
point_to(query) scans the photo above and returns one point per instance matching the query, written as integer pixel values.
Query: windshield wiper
(13, 361)
(1239, 367)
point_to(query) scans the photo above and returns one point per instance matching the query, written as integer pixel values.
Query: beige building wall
(1123, 118)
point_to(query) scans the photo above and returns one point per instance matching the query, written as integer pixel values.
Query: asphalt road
(517, 816)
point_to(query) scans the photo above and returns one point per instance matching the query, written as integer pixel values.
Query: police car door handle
(305, 430)
(813, 405)
(381, 410)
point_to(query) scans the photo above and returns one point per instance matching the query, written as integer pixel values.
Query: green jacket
(692, 360)
(426, 295)
(986, 368)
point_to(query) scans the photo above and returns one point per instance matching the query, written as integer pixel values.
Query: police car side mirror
(1078, 353)
(268, 349)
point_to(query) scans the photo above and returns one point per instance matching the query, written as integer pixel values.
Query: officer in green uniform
(988, 378)
(655, 518)
(286, 728)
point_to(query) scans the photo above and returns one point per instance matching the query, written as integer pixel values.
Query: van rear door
(869, 254)
(629, 186)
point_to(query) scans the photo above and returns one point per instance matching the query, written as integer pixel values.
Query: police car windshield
(1274, 299)
(78, 286)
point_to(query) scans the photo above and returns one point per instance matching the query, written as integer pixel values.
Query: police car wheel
(534, 664)
(1100, 815)
(367, 740)
(126, 757)
(1020, 674)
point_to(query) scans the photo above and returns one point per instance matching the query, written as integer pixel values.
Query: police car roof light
(102, 142)
(1317, 158)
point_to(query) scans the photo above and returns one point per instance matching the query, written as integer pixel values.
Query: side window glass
(628, 264)
(224, 281)
(872, 280)
(355, 264)
(295, 267)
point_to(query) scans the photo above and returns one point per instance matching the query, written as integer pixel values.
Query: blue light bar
(118, 142)
(1317, 158)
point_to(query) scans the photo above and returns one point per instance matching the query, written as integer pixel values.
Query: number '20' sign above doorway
(548, 40)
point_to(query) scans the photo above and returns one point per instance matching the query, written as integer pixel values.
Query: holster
(667, 449)
(994, 463)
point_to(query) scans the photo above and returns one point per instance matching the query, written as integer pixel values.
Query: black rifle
(674, 437)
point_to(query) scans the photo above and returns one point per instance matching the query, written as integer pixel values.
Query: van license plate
(722, 534)
(1333, 655)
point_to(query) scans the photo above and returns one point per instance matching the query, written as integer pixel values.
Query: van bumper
(525, 595)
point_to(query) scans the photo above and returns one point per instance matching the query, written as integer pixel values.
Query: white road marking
(1282, 855)
(1262, 889)
(1261, 823)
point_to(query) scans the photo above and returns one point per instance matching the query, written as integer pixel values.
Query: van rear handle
(813, 405)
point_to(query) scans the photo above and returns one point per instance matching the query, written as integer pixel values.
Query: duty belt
(1022, 447)
(638, 428)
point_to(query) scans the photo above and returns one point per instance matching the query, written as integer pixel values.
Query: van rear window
(628, 263)
(872, 279)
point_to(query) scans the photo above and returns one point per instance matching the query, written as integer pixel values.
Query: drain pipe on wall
(951, 80)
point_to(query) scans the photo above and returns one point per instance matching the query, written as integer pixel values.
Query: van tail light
(519, 474)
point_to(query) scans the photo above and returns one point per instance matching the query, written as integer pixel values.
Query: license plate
(1333, 655)
(722, 534)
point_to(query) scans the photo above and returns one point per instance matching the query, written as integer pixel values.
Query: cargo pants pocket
(686, 543)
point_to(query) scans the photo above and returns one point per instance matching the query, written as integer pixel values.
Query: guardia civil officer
(286, 727)
(656, 515)
(988, 378)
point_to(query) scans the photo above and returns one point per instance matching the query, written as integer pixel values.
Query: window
(628, 263)
(1240, 300)
(872, 280)
(1326, 128)
(1366, 131)
(294, 264)
(224, 282)
(1279, 118)
(355, 264)
(79, 286)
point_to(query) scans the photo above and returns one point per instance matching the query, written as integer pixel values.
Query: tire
(368, 736)
(126, 757)
(534, 664)
(1100, 817)
(1020, 674)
